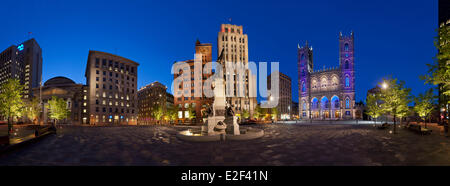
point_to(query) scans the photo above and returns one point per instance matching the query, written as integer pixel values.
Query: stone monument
(216, 119)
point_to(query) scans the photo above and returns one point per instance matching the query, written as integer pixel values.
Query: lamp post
(384, 86)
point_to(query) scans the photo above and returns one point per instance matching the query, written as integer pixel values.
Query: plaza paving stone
(282, 144)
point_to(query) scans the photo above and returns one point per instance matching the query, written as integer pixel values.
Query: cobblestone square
(282, 144)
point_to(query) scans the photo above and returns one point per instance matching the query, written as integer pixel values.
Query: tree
(374, 109)
(439, 70)
(11, 103)
(424, 105)
(395, 98)
(32, 109)
(258, 113)
(158, 112)
(191, 111)
(274, 113)
(58, 109)
(171, 113)
(245, 114)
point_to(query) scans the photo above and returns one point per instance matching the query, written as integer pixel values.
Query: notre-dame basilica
(327, 94)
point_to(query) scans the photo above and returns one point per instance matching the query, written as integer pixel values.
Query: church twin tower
(329, 93)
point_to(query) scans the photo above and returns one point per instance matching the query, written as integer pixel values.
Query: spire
(197, 42)
(298, 45)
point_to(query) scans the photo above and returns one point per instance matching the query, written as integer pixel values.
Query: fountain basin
(199, 136)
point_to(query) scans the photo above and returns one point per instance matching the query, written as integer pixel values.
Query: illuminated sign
(20, 47)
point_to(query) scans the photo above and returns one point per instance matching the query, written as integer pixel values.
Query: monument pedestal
(211, 124)
(233, 128)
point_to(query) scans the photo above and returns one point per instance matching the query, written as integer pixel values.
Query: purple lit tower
(329, 93)
(305, 68)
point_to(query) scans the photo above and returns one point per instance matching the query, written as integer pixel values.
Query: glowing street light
(384, 85)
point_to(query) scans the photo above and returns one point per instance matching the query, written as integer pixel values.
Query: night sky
(391, 37)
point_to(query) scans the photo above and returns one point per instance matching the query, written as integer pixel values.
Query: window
(347, 81)
(346, 65)
(347, 103)
(302, 57)
(346, 47)
(303, 87)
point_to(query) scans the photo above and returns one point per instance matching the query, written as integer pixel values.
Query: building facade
(23, 62)
(184, 103)
(443, 20)
(112, 92)
(284, 96)
(232, 46)
(68, 90)
(150, 97)
(328, 93)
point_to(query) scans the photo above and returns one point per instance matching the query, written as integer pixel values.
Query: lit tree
(258, 113)
(32, 109)
(158, 112)
(403, 112)
(274, 113)
(374, 109)
(192, 114)
(395, 99)
(171, 113)
(245, 114)
(11, 103)
(439, 70)
(424, 105)
(58, 109)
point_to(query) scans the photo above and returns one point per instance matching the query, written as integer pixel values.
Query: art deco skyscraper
(234, 44)
(23, 62)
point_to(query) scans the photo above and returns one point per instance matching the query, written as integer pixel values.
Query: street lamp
(384, 85)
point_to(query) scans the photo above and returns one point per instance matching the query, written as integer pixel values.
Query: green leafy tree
(374, 109)
(439, 70)
(245, 114)
(11, 103)
(32, 109)
(171, 113)
(274, 113)
(58, 109)
(395, 98)
(424, 105)
(158, 112)
(258, 113)
(192, 114)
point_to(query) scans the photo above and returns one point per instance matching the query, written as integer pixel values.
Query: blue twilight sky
(391, 37)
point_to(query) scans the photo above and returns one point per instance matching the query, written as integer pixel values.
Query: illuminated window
(347, 103)
(303, 87)
(346, 47)
(347, 81)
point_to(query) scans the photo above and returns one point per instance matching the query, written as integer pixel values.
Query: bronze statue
(229, 111)
(208, 112)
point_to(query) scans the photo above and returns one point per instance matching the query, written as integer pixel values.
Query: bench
(419, 129)
(42, 130)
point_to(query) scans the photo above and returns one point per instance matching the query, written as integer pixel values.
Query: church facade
(327, 94)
